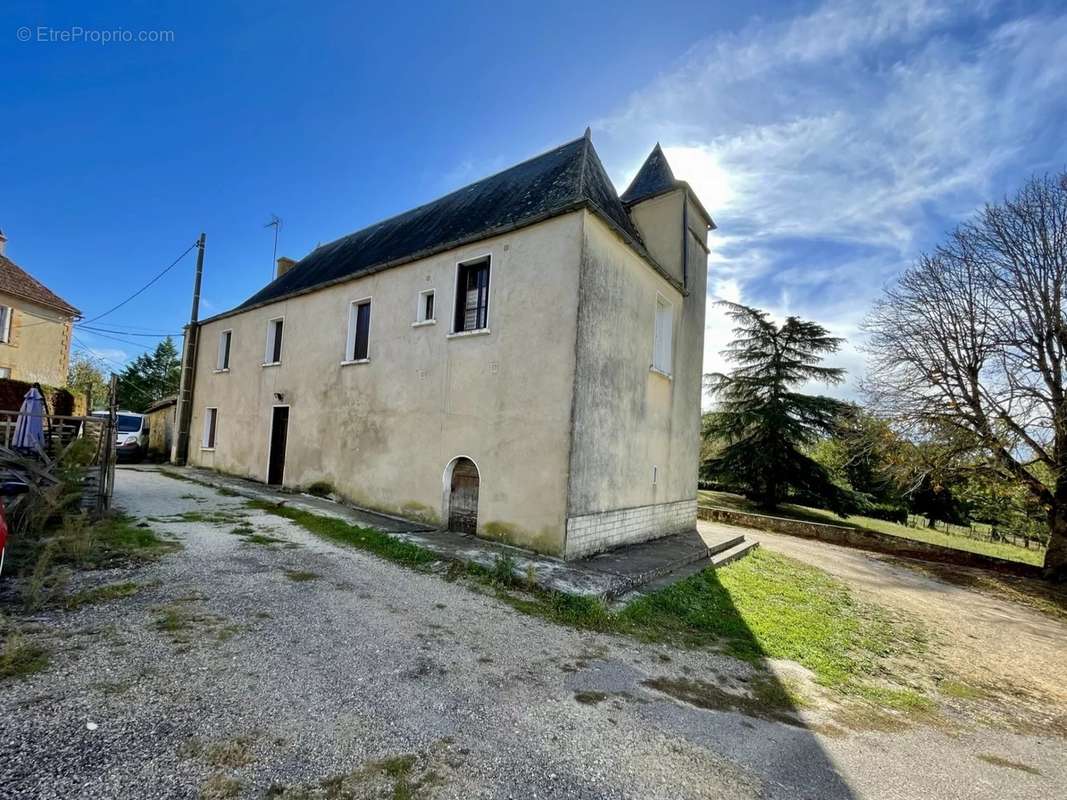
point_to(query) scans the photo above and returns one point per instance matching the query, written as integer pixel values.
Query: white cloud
(832, 147)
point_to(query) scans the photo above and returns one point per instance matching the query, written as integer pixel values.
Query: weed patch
(220, 787)
(339, 531)
(20, 657)
(300, 575)
(101, 594)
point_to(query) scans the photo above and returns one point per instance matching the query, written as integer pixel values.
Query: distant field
(1035, 555)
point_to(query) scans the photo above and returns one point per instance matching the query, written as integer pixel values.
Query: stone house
(35, 326)
(161, 427)
(520, 359)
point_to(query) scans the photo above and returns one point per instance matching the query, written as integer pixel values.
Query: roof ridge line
(587, 142)
(440, 197)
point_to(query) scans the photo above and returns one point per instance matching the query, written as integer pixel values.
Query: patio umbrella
(29, 429)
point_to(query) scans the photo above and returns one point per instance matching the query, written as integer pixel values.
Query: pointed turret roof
(564, 179)
(654, 177)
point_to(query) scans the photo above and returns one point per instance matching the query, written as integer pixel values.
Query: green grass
(20, 657)
(101, 594)
(763, 606)
(339, 531)
(1011, 552)
(768, 605)
(117, 538)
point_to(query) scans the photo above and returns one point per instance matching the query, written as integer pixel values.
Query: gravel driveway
(294, 668)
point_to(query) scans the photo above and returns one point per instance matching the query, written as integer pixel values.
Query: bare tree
(973, 336)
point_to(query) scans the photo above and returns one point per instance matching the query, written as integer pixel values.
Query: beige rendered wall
(383, 432)
(627, 418)
(39, 345)
(660, 223)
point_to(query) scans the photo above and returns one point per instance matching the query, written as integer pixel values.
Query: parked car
(131, 435)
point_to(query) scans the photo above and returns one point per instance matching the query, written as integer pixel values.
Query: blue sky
(832, 141)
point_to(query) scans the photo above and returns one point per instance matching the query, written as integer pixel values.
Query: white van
(131, 434)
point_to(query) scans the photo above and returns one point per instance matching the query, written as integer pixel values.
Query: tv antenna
(276, 223)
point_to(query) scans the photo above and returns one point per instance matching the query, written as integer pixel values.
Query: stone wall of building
(594, 533)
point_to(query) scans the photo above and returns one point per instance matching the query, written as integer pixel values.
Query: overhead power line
(139, 291)
(128, 333)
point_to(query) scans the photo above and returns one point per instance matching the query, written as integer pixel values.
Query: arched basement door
(463, 499)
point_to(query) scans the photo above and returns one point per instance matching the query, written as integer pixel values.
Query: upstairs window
(663, 344)
(6, 312)
(425, 311)
(472, 296)
(358, 331)
(211, 416)
(273, 354)
(224, 350)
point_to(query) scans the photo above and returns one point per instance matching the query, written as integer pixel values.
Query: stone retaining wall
(866, 540)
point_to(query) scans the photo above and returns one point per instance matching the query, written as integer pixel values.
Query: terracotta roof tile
(16, 281)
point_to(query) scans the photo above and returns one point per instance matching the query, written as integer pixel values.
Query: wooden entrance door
(463, 501)
(279, 431)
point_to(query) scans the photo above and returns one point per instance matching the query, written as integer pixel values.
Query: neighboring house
(161, 426)
(520, 358)
(35, 326)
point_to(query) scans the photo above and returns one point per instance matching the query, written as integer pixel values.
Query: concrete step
(725, 544)
(731, 554)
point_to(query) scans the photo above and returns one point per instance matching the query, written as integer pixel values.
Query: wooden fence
(61, 433)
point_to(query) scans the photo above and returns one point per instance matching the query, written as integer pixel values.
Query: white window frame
(350, 340)
(219, 366)
(5, 373)
(662, 362)
(269, 349)
(209, 443)
(5, 323)
(420, 307)
(453, 333)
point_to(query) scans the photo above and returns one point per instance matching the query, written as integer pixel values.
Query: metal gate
(463, 500)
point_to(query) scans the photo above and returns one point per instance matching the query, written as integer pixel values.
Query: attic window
(472, 296)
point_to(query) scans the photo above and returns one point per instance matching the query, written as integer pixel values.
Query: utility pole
(184, 410)
(106, 479)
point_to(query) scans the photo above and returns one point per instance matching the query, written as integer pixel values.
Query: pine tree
(761, 423)
(150, 377)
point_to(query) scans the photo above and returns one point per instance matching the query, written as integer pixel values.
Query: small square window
(273, 354)
(425, 311)
(358, 331)
(211, 416)
(5, 372)
(224, 350)
(663, 345)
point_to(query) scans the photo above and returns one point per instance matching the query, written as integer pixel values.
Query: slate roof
(16, 281)
(563, 179)
(654, 177)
